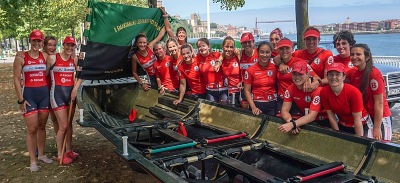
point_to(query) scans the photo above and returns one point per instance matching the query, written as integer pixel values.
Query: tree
(230, 4)
(213, 25)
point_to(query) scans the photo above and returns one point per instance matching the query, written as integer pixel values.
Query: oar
(71, 113)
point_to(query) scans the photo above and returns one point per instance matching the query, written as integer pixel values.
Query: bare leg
(54, 120)
(32, 125)
(62, 116)
(41, 134)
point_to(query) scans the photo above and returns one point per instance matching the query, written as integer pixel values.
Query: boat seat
(126, 80)
(235, 167)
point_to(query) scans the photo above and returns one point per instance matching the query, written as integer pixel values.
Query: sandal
(65, 160)
(34, 167)
(71, 154)
(45, 159)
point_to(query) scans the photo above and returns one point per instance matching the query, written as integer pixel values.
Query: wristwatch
(18, 102)
(294, 124)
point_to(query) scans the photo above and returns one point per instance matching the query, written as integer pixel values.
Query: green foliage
(230, 4)
(213, 25)
(182, 23)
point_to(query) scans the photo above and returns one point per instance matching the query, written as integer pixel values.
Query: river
(380, 44)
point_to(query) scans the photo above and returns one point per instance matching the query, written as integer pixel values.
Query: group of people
(44, 82)
(344, 92)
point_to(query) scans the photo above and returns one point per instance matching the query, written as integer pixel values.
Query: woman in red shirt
(260, 82)
(343, 41)
(344, 101)
(274, 38)
(372, 86)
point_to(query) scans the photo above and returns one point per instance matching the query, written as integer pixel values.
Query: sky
(320, 11)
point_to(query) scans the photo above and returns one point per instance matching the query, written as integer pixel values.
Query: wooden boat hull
(225, 143)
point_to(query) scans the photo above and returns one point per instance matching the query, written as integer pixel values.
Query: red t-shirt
(285, 80)
(62, 73)
(164, 71)
(230, 68)
(345, 61)
(147, 61)
(262, 81)
(320, 63)
(175, 73)
(34, 71)
(348, 101)
(376, 87)
(311, 100)
(212, 79)
(246, 61)
(193, 77)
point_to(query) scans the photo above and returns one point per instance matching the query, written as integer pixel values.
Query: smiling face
(142, 43)
(343, 48)
(36, 44)
(285, 53)
(358, 58)
(264, 53)
(159, 51)
(299, 79)
(335, 78)
(274, 39)
(69, 48)
(187, 54)
(203, 48)
(181, 36)
(311, 44)
(172, 48)
(247, 46)
(228, 48)
(50, 47)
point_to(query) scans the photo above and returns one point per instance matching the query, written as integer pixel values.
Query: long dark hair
(181, 29)
(368, 68)
(134, 47)
(48, 38)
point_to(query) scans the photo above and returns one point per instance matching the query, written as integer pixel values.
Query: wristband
(18, 102)
(294, 124)
(161, 87)
(165, 15)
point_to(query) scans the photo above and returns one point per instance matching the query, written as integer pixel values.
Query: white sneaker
(45, 159)
(34, 167)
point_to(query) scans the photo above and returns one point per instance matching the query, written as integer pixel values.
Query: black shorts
(38, 98)
(60, 97)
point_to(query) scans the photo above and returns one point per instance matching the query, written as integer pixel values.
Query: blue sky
(320, 11)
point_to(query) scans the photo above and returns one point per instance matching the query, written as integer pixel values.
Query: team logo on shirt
(321, 118)
(29, 62)
(41, 61)
(269, 73)
(196, 68)
(71, 64)
(269, 97)
(287, 94)
(235, 64)
(330, 60)
(63, 80)
(175, 68)
(255, 60)
(152, 56)
(374, 84)
(350, 65)
(212, 62)
(167, 64)
(316, 100)
(246, 75)
(317, 61)
(307, 98)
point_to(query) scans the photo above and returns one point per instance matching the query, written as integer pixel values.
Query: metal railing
(393, 61)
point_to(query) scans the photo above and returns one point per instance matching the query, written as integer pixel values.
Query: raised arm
(167, 24)
(158, 38)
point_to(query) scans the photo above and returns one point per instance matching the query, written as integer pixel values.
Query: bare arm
(182, 90)
(332, 120)
(167, 24)
(158, 38)
(358, 127)
(285, 111)
(51, 59)
(247, 94)
(378, 115)
(134, 62)
(17, 71)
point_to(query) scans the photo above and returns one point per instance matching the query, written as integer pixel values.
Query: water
(380, 44)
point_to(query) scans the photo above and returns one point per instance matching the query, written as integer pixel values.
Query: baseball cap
(285, 42)
(247, 36)
(339, 67)
(36, 34)
(69, 39)
(312, 33)
(300, 67)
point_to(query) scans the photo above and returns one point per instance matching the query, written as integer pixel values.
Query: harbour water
(380, 44)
